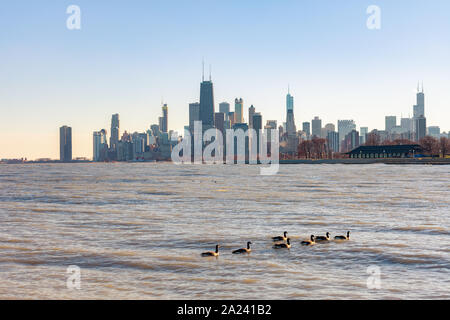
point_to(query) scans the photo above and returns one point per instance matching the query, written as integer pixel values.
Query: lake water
(136, 231)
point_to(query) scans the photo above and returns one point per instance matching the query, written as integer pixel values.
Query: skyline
(121, 62)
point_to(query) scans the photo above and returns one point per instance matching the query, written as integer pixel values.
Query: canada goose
(309, 242)
(211, 253)
(343, 237)
(244, 250)
(321, 238)
(281, 238)
(286, 245)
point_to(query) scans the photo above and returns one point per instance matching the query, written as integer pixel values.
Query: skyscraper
(363, 132)
(207, 104)
(100, 145)
(219, 122)
(421, 127)
(251, 112)
(345, 127)
(194, 115)
(333, 141)
(306, 127)
(65, 144)
(238, 110)
(115, 131)
(316, 127)
(164, 120)
(224, 107)
(390, 122)
(290, 120)
(419, 108)
(257, 125)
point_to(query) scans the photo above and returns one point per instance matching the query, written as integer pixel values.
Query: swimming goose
(321, 238)
(286, 245)
(343, 237)
(244, 250)
(281, 238)
(211, 253)
(309, 242)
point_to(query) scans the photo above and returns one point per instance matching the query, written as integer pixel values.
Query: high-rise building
(419, 108)
(363, 132)
(224, 107)
(65, 144)
(100, 145)
(420, 127)
(257, 125)
(345, 127)
(115, 132)
(407, 124)
(316, 127)
(251, 112)
(306, 127)
(194, 115)
(290, 119)
(164, 120)
(238, 110)
(351, 141)
(434, 131)
(333, 141)
(219, 122)
(232, 118)
(207, 104)
(390, 122)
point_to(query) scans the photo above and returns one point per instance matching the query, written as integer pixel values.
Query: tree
(444, 145)
(430, 145)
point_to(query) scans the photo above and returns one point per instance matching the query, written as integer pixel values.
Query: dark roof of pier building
(389, 149)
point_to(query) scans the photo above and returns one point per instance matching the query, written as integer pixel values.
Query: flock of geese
(282, 242)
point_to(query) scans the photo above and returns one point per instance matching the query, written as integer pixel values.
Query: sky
(129, 56)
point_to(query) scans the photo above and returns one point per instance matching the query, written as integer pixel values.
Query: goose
(281, 238)
(286, 245)
(309, 242)
(321, 238)
(343, 237)
(244, 250)
(211, 253)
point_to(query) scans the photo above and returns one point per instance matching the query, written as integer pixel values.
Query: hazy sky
(129, 55)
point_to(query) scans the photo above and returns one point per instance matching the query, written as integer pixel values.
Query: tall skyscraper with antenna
(207, 102)
(419, 108)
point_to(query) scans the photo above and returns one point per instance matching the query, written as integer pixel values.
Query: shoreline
(392, 161)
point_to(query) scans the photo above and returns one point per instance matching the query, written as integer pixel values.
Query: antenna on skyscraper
(203, 69)
(209, 72)
(422, 86)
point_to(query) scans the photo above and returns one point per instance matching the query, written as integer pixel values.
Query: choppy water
(137, 231)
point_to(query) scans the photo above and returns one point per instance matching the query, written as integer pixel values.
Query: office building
(316, 127)
(65, 144)
(238, 110)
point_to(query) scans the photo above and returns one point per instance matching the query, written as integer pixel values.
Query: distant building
(251, 112)
(224, 107)
(115, 131)
(306, 127)
(232, 118)
(351, 141)
(316, 127)
(363, 132)
(219, 122)
(194, 115)
(100, 146)
(345, 127)
(420, 128)
(434, 131)
(65, 144)
(257, 125)
(419, 108)
(385, 151)
(333, 141)
(164, 120)
(207, 104)
(390, 122)
(238, 110)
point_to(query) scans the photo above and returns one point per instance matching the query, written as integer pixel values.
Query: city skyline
(336, 67)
